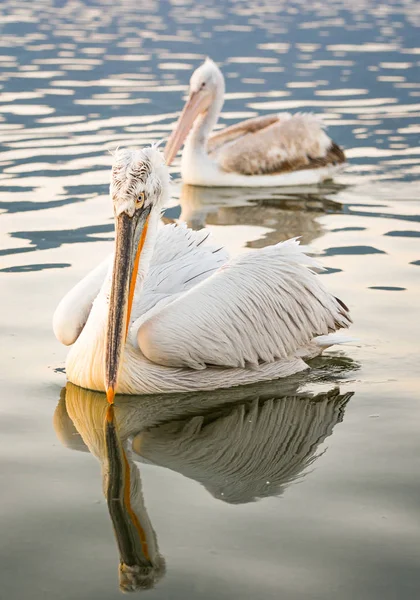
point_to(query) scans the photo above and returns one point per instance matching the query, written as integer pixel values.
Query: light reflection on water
(134, 59)
(77, 80)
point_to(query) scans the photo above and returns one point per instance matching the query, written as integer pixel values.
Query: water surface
(339, 448)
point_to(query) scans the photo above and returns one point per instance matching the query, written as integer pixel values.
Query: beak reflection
(136, 570)
(86, 417)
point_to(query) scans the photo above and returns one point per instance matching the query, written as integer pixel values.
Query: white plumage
(258, 308)
(199, 320)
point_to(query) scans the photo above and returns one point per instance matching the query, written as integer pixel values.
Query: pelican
(273, 150)
(241, 444)
(168, 311)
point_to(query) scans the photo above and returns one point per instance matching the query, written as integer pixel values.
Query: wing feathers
(182, 257)
(289, 143)
(261, 307)
(229, 134)
(74, 309)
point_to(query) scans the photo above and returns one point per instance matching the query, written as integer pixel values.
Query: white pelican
(273, 150)
(169, 311)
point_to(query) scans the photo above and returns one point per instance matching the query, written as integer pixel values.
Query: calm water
(303, 490)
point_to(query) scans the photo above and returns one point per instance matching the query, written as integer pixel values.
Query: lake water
(304, 489)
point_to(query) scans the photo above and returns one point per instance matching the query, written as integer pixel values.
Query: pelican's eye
(140, 201)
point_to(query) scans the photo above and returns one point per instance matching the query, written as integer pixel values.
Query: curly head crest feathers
(137, 172)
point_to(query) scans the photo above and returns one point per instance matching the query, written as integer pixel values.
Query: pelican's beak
(130, 235)
(197, 103)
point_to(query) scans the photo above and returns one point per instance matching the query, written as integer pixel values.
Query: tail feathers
(335, 154)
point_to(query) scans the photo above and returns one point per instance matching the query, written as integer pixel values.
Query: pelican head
(206, 85)
(139, 186)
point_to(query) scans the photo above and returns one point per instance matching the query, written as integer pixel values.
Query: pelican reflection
(286, 213)
(241, 444)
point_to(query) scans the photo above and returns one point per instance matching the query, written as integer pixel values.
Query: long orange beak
(130, 235)
(197, 103)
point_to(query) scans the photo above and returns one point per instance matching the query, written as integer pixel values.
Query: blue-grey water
(297, 490)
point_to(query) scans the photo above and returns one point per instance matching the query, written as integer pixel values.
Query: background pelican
(242, 444)
(170, 312)
(272, 150)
